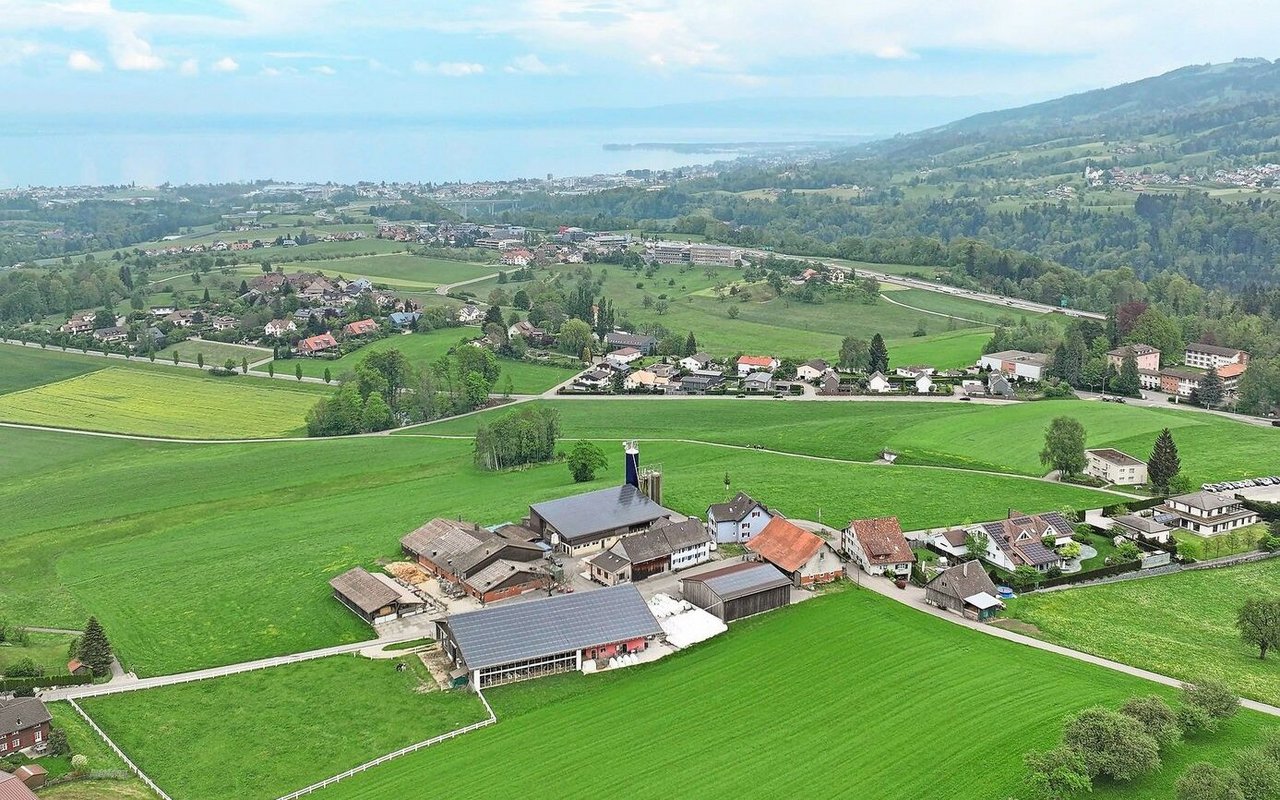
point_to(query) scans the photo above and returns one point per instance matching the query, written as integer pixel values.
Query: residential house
(665, 547)
(1206, 356)
(1140, 526)
(482, 564)
(1113, 466)
(952, 541)
(517, 257)
(316, 344)
(695, 362)
(526, 330)
(113, 334)
(830, 384)
(924, 384)
(184, 318)
(1207, 513)
(24, 724)
(645, 343)
(878, 383)
(700, 383)
(645, 379)
(374, 597)
(79, 323)
(161, 311)
(803, 556)
(404, 319)
(812, 370)
(998, 386)
(624, 355)
(877, 546)
(737, 520)
(1025, 540)
(738, 590)
(1183, 382)
(223, 323)
(914, 371)
(470, 315)
(1017, 364)
(965, 589)
(758, 382)
(593, 521)
(597, 378)
(360, 327)
(1146, 356)
(750, 364)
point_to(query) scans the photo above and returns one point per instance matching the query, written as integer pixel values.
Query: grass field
(1181, 625)
(215, 353)
(424, 348)
(850, 695)
(122, 400)
(405, 271)
(25, 367)
(284, 728)
(48, 649)
(1005, 438)
(154, 537)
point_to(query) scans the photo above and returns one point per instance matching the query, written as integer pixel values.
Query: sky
(496, 56)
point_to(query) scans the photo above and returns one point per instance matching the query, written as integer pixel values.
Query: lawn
(122, 400)
(48, 649)
(424, 348)
(1241, 540)
(1181, 625)
(283, 728)
(154, 538)
(851, 695)
(1006, 438)
(26, 367)
(215, 353)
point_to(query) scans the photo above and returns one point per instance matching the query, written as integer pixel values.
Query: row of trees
(525, 436)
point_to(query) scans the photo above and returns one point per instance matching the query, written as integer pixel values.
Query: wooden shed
(739, 590)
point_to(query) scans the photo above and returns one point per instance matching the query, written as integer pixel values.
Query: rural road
(913, 597)
(449, 287)
(934, 313)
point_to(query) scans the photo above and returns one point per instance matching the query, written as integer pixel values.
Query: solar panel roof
(742, 579)
(537, 628)
(582, 515)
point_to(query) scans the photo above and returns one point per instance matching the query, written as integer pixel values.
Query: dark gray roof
(1007, 535)
(681, 535)
(620, 339)
(1115, 456)
(963, 580)
(701, 381)
(1205, 501)
(1148, 525)
(610, 561)
(663, 539)
(733, 511)
(741, 579)
(365, 592)
(29, 711)
(582, 515)
(537, 628)
(1212, 349)
(443, 540)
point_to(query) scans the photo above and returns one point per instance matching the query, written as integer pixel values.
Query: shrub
(24, 668)
(1057, 773)
(79, 762)
(1192, 719)
(58, 745)
(1155, 715)
(1112, 744)
(1204, 781)
(1215, 698)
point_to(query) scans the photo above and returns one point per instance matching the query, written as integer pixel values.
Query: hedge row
(9, 684)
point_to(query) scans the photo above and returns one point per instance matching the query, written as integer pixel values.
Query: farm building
(640, 341)
(664, 547)
(739, 590)
(737, 520)
(805, 557)
(595, 520)
(375, 598)
(878, 546)
(12, 788)
(24, 722)
(517, 642)
(966, 589)
(484, 565)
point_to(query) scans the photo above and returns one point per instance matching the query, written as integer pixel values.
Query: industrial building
(526, 640)
(739, 590)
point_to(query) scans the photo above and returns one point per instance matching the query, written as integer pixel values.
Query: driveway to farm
(449, 287)
(913, 596)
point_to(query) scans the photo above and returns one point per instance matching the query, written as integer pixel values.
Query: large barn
(375, 598)
(484, 565)
(527, 640)
(739, 590)
(585, 523)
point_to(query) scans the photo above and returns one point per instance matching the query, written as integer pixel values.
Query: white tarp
(684, 623)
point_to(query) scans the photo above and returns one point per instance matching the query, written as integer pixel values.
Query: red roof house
(804, 556)
(878, 546)
(316, 344)
(749, 364)
(360, 328)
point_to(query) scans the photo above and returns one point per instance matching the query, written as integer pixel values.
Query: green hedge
(9, 684)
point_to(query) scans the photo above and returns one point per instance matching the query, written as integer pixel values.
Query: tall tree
(854, 353)
(1127, 382)
(878, 357)
(1164, 462)
(690, 345)
(584, 460)
(1064, 446)
(1259, 623)
(95, 649)
(1211, 391)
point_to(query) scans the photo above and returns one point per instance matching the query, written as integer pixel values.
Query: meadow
(405, 271)
(1181, 625)
(215, 353)
(1004, 438)
(47, 649)
(849, 695)
(199, 555)
(422, 349)
(122, 400)
(284, 728)
(25, 367)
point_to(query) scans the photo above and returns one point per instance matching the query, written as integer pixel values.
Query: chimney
(632, 451)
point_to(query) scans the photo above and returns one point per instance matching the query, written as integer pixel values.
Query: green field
(285, 727)
(47, 649)
(424, 348)
(850, 694)
(150, 403)
(403, 271)
(1181, 625)
(25, 367)
(215, 353)
(154, 537)
(1005, 438)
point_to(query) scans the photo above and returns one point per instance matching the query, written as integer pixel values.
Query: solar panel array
(745, 581)
(559, 624)
(601, 510)
(1058, 523)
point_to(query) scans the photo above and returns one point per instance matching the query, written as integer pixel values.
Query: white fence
(142, 776)
(404, 751)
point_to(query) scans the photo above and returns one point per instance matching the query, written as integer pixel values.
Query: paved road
(1151, 399)
(449, 287)
(913, 597)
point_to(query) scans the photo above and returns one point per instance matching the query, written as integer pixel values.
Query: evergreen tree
(1211, 392)
(616, 384)
(328, 376)
(244, 288)
(879, 358)
(297, 372)
(206, 295)
(1164, 463)
(95, 650)
(1127, 382)
(244, 366)
(690, 345)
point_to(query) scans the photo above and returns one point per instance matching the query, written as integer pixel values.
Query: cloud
(189, 67)
(225, 64)
(131, 52)
(449, 69)
(271, 72)
(531, 64)
(894, 52)
(15, 52)
(324, 69)
(80, 61)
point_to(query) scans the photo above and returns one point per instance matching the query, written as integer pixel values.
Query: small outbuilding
(739, 590)
(965, 589)
(375, 598)
(12, 788)
(33, 776)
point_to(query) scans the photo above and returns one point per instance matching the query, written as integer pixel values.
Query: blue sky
(427, 56)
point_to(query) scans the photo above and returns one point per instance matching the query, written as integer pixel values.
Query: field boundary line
(142, 776)
(404, 751)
